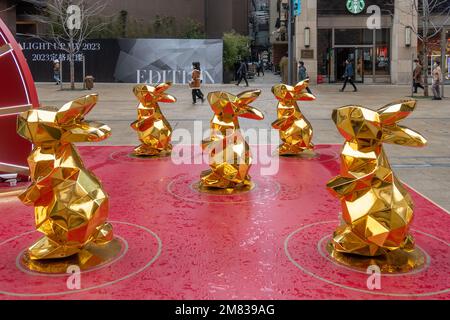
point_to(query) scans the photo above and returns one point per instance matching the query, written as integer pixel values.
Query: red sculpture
(17, 94)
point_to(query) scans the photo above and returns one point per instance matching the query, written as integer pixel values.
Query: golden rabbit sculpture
(153, 129)
(295, 130)
(71, 207)
(230, 158)
(377, 210)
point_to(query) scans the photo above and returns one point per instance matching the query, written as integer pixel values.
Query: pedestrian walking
(56, 72)
(417, 76)
(284, 66)
(195, 83)
(260, 67)
(242, 73)
(303, 74)
(348, 75)
(437, 76)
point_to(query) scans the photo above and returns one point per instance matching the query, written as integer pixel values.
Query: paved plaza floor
(427, 169)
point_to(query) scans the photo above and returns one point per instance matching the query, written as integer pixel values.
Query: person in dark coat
(242, 73)
(260, 67)
(303, 74)
(417, 76)
(348, 75)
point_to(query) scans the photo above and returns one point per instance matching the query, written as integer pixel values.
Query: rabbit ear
(167, 98)
(160, 88)
(243, 101)
(304, 96)
(403, 136)
(395, 134)
(302, 85)
(247, 97)
(394, 112)
(76, 110)
(252, 113)
(301, 93)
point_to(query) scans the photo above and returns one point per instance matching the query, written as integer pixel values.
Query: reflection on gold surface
(162, 154)
(306, 154)
(153, 129)
(71, 207)
(229, 153)
(295, 130)
(90, 256)
(398, 261)
(377, 210)
(11, 191)
(223, 192)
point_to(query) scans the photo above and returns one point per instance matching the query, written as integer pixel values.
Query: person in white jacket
(437, 76)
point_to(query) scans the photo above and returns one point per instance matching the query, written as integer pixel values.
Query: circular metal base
(91, 256)
(150, 156)
(222, 192)
(398, 261)
(307, 154)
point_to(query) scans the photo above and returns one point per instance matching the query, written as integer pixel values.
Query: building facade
(8, 14)
(259, 23)
(214, 17)
(278, 30)
(372, 34)
(19, 16)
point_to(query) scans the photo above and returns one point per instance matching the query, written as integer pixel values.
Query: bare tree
(433, 16)
(8, 8)
(69, 23)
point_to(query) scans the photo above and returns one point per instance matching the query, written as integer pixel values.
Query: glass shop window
(353, 37)
(382, 52)
(324, 51)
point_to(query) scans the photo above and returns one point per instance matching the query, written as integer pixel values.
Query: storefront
(343, 34)
(369, 33)
(368, 50)
(439, 50)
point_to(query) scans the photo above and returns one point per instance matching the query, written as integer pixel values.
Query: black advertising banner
(225, 310)
(100, 58)
(128, 60)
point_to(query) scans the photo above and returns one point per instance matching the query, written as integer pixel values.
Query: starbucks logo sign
(355, 6)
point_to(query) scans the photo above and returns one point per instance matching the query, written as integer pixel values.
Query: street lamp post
(290, 43)
(443, 57)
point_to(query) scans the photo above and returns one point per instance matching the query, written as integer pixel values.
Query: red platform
(180, 244)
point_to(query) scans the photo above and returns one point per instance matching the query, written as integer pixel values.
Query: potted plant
(235, 47)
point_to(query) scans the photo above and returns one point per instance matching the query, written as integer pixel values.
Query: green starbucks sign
(355, 6)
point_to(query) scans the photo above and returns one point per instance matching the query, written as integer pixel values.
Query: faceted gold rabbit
(153, 129)
(230, 158)
(71, 208)
(295, 130)
(377, 210)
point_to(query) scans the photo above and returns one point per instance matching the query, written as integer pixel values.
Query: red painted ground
(266, 244)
